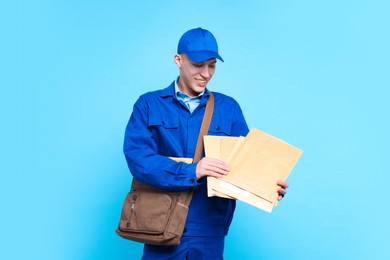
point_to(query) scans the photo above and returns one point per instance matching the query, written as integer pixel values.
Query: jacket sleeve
(145, 164)
(239, 125)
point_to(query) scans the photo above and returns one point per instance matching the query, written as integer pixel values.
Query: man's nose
(205, 71)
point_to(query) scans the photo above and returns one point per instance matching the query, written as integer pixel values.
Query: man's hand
(211, 167)
(282, 189)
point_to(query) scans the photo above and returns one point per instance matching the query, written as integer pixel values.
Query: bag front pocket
(178, 220)
(146, 212)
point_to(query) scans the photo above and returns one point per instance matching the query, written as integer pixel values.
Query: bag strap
(204, 128)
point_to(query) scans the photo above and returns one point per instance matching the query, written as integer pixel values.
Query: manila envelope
(182, 159)
(227, 144)
(235, 192)
(259, 161)
(218, 147)
(221, 147)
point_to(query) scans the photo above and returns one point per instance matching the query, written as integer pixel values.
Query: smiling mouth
(202, 81)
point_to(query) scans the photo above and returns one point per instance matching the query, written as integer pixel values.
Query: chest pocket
(220, 127)
(165, 121)
(165, 133)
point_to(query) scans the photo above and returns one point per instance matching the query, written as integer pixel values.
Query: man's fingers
(282, 184)
(218, 169)
(282, 188)
(216, 174)
(282, 191)
(212, 167)
(216, 165)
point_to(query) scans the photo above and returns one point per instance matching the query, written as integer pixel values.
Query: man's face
(194, 76)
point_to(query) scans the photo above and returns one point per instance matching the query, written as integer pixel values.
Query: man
(165, 123)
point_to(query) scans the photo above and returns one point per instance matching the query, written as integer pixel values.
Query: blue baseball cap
(199, 45)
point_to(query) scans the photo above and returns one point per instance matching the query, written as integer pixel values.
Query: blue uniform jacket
(161, 126)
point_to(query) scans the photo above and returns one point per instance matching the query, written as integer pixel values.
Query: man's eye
(198, 65)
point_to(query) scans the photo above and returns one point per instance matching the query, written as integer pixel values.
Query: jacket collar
(170, 91)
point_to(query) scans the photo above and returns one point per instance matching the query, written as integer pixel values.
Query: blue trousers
(190, 248)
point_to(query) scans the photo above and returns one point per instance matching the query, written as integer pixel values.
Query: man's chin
(199, 89)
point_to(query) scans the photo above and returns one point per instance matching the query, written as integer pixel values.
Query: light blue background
(313, 73)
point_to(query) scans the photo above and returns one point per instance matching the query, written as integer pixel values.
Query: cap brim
(200, 56)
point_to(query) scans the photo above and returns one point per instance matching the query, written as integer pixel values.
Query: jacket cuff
(191, 175)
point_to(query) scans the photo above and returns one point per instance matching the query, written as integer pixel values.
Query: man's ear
(178, 59)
